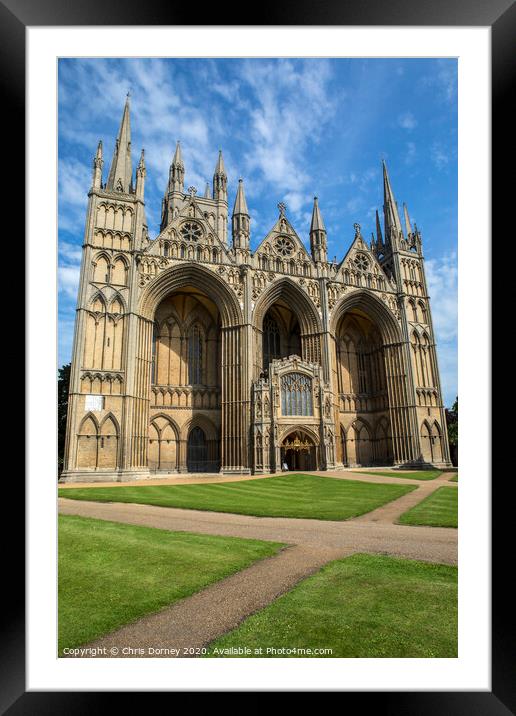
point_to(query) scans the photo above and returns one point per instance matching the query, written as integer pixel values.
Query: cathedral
(194, 353)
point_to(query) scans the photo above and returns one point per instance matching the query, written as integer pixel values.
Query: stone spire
(390, 209)
(140, 176)
(318, 242)
(408, 227)
(240, 202)
(241, 222)
(220, 181)
(121, 171)
(379, 237)
(207, 191)
(176, 174)
(98, 163)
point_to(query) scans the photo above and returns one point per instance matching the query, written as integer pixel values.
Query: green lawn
(418, 475)
(111, 574)
(362, 606)
(455, 478)
(437, 510)
(307, 496)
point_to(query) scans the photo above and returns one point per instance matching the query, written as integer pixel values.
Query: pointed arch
(437, 443)
(98, 303)
(371, 305)
(101, 267)
(292, 294)
(108, 439)
(117, 304)
(192, 275)
(89, 425)
(119, 270)
(426, 441)
(362, 434)
(422, 307)
(203, 422)
(109, 425)
(163, 452)
(306, 429)
(87, 442)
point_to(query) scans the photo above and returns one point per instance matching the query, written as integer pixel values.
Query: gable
(360, 266)
(190, 235)
(282, 242)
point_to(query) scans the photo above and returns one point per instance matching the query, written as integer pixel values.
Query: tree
(452, 422)
(63, 383)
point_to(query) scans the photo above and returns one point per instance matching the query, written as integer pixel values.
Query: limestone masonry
(195, 354)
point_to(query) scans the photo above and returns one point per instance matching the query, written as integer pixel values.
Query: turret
(140, 176)
(176, 174)
(241, 220)
(121, 171)
(393, 230)
(408, 227)
(220, 181)
(220, 195)
(98, 163)
(318, 243)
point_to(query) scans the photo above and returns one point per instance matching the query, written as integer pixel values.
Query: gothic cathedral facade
(193, 353)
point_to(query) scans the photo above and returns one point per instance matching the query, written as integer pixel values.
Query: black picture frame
(15, 17)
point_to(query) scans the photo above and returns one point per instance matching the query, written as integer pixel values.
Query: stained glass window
(296, 394)
(195, 356)
(271, 341)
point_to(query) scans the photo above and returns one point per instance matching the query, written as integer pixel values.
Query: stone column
(402, 414)
(234, 457)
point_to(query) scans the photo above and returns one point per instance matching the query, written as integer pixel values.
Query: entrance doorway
(298, 452)
(197, 452)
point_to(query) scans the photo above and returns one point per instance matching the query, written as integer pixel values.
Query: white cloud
(68, 277)
(439, 156)
(295, 201)
(66, 332)
(290, 107)
(411, 153)
(441, 275)
(444, 81)
(407, 121)
(71, 253)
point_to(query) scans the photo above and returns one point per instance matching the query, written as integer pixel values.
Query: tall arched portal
(363, 396)
(185, 381)
(281, 335)
(285, 322)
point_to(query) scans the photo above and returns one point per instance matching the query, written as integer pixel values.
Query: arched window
(155, 332)
(195, 356)
(296, 394)
(271, 340)
(423, 311)
(197, 451)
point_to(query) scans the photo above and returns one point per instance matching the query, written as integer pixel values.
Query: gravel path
(195, 621)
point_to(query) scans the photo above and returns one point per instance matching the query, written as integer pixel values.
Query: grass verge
(440, 509)
(301, 496)
(418, 475)
(111, 574)
(361, 606)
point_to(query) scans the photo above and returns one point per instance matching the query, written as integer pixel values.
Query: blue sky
(292, 129)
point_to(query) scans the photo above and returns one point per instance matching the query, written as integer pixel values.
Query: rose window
(361, 262)
(284, 246)
(191, 231)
